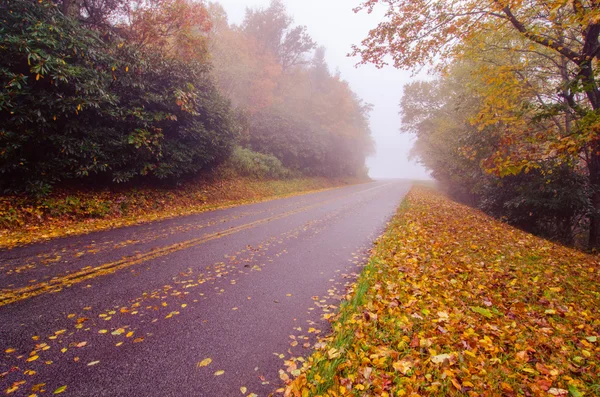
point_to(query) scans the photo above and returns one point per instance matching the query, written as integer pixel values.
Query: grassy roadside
(453, 302)
(24, 220)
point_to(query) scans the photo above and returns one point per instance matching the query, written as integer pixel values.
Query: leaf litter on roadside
(454, 302)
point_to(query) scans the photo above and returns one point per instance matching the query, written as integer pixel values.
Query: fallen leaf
(484, 312)
(402, 366)
(440, 358)
(558, 392)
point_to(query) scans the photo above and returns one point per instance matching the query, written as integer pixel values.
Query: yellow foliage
(454, 302)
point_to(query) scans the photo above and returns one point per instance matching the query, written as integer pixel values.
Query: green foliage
(296, 144)
(306, 147)
(77, 105)
(552, 202)
(94, 102)
(245, 162)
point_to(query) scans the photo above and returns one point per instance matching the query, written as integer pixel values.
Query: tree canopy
(291, 105)
(111, 91)
(529, 95)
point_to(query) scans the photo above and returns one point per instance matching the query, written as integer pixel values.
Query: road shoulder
(454, 302)
(25, 221)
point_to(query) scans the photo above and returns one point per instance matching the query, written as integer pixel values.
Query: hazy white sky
(333, 24)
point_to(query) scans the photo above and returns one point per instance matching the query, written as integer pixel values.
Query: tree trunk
(594, 169)
(593, 94)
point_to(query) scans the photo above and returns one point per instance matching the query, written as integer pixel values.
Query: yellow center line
(58, 283)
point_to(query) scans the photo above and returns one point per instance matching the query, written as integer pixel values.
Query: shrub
(77, 105)
(245, 162)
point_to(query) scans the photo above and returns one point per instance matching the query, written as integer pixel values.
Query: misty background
(333, 24)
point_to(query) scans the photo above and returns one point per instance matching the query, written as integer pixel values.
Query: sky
(333, 24)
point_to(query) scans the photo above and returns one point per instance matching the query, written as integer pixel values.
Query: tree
(245, 73)
(176, 27)
(418, 32)
(273, 31)
(74, 105)
(290, 106)
(549, 200)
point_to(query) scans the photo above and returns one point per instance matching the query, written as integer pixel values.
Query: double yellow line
(58, 283)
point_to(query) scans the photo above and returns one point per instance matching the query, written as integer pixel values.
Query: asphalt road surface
(204, 305)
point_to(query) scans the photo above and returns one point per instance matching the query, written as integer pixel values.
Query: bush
(245, 162)
(551, 202)
(75, 105)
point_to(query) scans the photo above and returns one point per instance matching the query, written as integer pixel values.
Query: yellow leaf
(333, 353)
(219, 372)
(440, 358)
(402, 366)
(60, 389)
(243, 389)
(204, 362)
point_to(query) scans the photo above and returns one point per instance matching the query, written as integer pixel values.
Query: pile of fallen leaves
(454, 302)
(24, 220)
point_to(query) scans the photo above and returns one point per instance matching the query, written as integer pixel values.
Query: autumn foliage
(25, 220)
(454, 302)
(289, 103)
(529, 99)
(108, 92)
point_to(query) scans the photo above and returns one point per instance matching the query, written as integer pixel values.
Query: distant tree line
(112, 91)
(286, 99)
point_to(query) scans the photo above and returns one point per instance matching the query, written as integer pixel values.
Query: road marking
(58, 283)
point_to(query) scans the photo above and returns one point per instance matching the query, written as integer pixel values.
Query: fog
(333, 24)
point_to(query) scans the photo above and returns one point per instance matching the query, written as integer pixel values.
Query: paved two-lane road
(134, 311)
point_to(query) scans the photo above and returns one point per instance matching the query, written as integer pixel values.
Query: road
(140, 311)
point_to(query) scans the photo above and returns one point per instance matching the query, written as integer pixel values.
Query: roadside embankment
(65, 213)
(453, 302)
